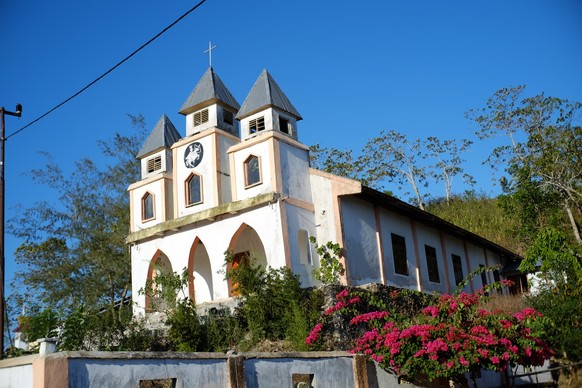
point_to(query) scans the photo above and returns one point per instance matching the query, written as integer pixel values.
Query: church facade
(240, 181)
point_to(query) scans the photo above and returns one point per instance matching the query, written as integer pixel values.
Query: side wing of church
(240, 181)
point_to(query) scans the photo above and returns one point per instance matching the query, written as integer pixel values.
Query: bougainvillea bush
(447, 339)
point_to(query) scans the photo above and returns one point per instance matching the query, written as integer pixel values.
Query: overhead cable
(108, 71)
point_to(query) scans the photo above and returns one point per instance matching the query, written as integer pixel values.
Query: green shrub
(274, 306)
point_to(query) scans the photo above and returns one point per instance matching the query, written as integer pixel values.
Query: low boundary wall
(176, 369)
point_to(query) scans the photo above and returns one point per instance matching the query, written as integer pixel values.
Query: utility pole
(17, 113)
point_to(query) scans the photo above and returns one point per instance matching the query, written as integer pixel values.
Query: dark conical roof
(210, 87)
(265, 93)
(163, 135)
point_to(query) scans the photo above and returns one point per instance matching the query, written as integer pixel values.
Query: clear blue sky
(350, 68)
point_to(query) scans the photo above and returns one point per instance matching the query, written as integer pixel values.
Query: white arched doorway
(200, 285)
(246, 245)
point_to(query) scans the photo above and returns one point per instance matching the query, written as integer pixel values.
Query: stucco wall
(127, 373)
(294, 168)
(391, 222)
(431, 237)
(19, 376)
(298, 218)
(361, 247)
(277, 372)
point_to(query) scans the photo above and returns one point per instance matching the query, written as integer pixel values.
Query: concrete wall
(247, 370)
(17, 372)
(250, 370)
(127, 373)
(361, 246)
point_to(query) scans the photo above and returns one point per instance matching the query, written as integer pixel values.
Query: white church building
(240, 181)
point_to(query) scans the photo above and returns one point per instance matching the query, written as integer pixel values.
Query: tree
(558, 266)
(392, 157)
(543, 146)
(447, 161)
(334, 161)
(74, 251)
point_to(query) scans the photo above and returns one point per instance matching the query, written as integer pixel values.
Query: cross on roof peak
(209, 51)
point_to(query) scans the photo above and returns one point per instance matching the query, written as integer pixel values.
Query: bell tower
(210, 105)
(267, 108)
(151, 197)
(202, 173)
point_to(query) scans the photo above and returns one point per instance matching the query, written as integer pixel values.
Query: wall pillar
(50, 372)
(360, 364)
(235, 371)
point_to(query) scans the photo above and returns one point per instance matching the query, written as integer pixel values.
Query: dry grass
(273, 346)
(507, 303)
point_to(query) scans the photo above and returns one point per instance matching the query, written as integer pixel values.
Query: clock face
(193, 155)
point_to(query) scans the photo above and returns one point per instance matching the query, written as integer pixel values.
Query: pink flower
(463, 361)
(450, 364)
(505, 323)
(342, 294)
(420, 353)
(314, 335)
(526, 313)
(437, 345)
(507, 283)
(495, 360)
(368, 317)
(431, 311)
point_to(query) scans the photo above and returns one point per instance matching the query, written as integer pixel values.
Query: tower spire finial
(209, 51)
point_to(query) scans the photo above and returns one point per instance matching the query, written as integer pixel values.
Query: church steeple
(267, 108)
(155, 153)
(209, 105)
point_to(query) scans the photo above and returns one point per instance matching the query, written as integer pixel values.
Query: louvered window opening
(256, 125)
(201, 117)
(228, 117)
(154, 164)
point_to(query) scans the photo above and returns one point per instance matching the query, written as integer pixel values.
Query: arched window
(193, 190)
(252, 167)
(147, 207)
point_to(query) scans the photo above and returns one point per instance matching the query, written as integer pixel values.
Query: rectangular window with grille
(432, 264)
(458, 268)
(154, 164)
(257, 125)
(201, 117)
(399, 252)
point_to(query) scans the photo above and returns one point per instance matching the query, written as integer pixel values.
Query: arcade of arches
(203, 270)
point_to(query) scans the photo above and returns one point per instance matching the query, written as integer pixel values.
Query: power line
(108, 71)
